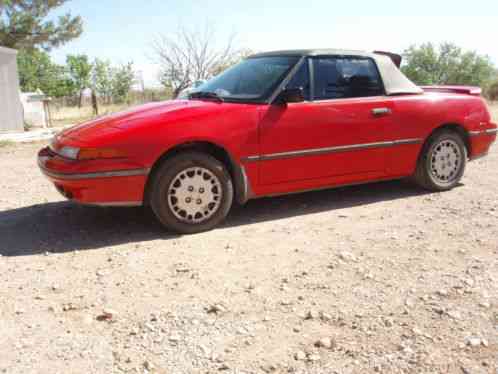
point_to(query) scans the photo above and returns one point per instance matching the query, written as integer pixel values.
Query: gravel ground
(375, 278)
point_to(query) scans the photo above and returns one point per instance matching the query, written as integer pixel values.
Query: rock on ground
(404, 281)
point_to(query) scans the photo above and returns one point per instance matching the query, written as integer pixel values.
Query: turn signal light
(96, 153)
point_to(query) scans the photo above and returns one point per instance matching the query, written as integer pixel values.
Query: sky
(124, 30)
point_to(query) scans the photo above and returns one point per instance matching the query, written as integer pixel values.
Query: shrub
(5, 143)
(27, 125)
(492, 91)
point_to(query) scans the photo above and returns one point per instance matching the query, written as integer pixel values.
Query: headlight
(75, 153)
(69, 152)
(53, 144)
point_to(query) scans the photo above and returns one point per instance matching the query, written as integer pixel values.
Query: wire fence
(65, 111)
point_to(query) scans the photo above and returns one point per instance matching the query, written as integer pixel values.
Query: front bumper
(96, 182)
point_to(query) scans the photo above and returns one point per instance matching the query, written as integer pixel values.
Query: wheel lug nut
(188, 200)
(199, 201)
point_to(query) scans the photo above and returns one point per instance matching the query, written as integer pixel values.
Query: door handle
(381, 111)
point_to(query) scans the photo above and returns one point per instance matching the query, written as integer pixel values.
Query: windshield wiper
(205, 95)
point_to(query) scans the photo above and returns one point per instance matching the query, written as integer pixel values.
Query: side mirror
(290, 95)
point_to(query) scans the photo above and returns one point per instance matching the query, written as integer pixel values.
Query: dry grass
(73, 115)
(5, 143)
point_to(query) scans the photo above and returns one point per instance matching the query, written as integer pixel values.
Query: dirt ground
(376, 278)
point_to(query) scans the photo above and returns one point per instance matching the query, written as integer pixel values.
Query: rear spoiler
(464, 90)
(393, 56)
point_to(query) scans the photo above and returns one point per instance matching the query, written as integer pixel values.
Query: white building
(11, 113)
(35, 109)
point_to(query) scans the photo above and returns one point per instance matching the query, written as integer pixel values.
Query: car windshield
(252, 79)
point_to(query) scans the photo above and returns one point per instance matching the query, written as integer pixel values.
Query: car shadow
(64, 226)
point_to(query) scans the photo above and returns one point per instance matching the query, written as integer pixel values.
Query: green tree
(446, 64)
(38, 72)
(80, 70)
(103, 79)
(122, 81)
(492, 92)
(24, 24)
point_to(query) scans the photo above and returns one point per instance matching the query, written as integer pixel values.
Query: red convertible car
(276, 123)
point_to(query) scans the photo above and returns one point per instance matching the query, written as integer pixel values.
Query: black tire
(428, 175)
(162, 198)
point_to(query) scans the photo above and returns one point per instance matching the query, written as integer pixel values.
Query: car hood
(144, 115)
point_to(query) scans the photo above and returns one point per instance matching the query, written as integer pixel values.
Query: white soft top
(395, 82)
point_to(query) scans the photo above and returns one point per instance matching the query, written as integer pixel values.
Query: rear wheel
(442, 162)
(191, 192)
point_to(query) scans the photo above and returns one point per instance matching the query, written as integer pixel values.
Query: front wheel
(191, 193)
(442, 162)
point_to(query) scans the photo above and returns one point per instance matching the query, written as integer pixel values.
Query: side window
(345, 77)
(301, 79)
